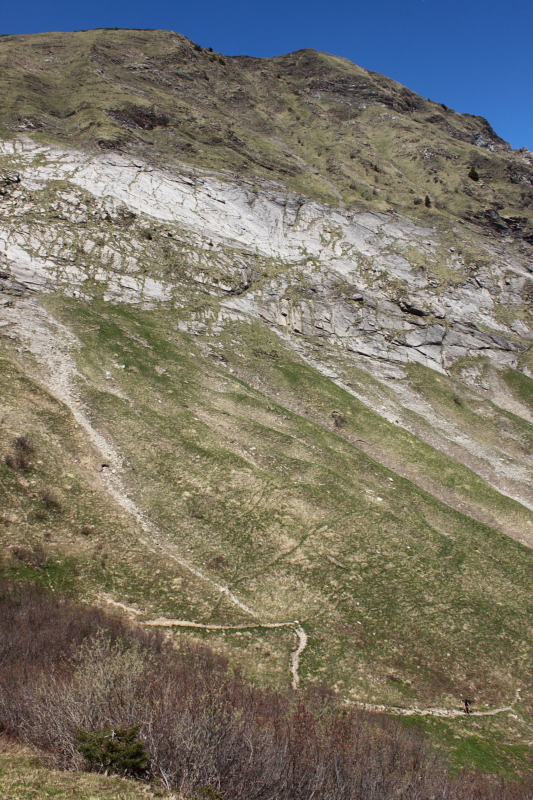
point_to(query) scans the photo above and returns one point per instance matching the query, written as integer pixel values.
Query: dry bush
(217, 562)
(23, 448)
(11, 461)
(18, 461)
(24, 444)
(23, 462)
(34, 557)
(338, 419)
(65, 667)
(50, 499)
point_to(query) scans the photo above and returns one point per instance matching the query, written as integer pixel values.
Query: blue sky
(473, 55)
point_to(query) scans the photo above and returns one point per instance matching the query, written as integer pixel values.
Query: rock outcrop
(379, 285)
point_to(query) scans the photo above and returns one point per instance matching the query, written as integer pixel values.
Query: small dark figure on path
(467, 704)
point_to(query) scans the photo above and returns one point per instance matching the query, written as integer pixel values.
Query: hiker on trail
(467, 703)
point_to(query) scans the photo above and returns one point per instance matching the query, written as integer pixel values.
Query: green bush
(208, 793)
(473, 174)
(114, 750)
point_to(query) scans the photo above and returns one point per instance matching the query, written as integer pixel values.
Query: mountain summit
(315, 122)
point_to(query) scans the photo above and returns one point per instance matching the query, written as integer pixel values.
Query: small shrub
(217, 562)
(473, 174)
(31, 557)
(338, 419)
(50, 499)
(24, 444)
(117, 750)
(427, 201)
(86, 530)
(18, 461)
(23, 462)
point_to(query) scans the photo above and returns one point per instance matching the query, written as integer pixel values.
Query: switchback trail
(301, 636)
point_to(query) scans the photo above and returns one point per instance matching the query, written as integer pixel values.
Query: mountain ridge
(175, 69)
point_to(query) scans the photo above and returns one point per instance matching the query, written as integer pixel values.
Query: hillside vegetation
(76, 675)
(266, 384)
(315, 122)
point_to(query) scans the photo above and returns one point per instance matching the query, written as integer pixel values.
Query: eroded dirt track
(436, 711)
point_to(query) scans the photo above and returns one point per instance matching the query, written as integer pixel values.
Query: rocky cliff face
(380, 289)
(379, 285)
(366, 301)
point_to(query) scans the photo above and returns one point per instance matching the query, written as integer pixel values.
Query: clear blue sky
(475, 56)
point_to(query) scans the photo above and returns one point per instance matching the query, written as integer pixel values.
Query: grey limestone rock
(306, 269)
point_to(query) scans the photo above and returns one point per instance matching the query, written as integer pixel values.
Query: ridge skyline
(473, 59)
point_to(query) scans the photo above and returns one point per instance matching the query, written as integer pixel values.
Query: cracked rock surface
(378, 289)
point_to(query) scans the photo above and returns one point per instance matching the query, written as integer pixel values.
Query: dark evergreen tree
(117, 750)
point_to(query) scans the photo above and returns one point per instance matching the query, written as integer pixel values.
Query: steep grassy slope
(242, 472)
(208, 449)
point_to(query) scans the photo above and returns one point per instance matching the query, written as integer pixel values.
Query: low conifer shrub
(114, 750)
